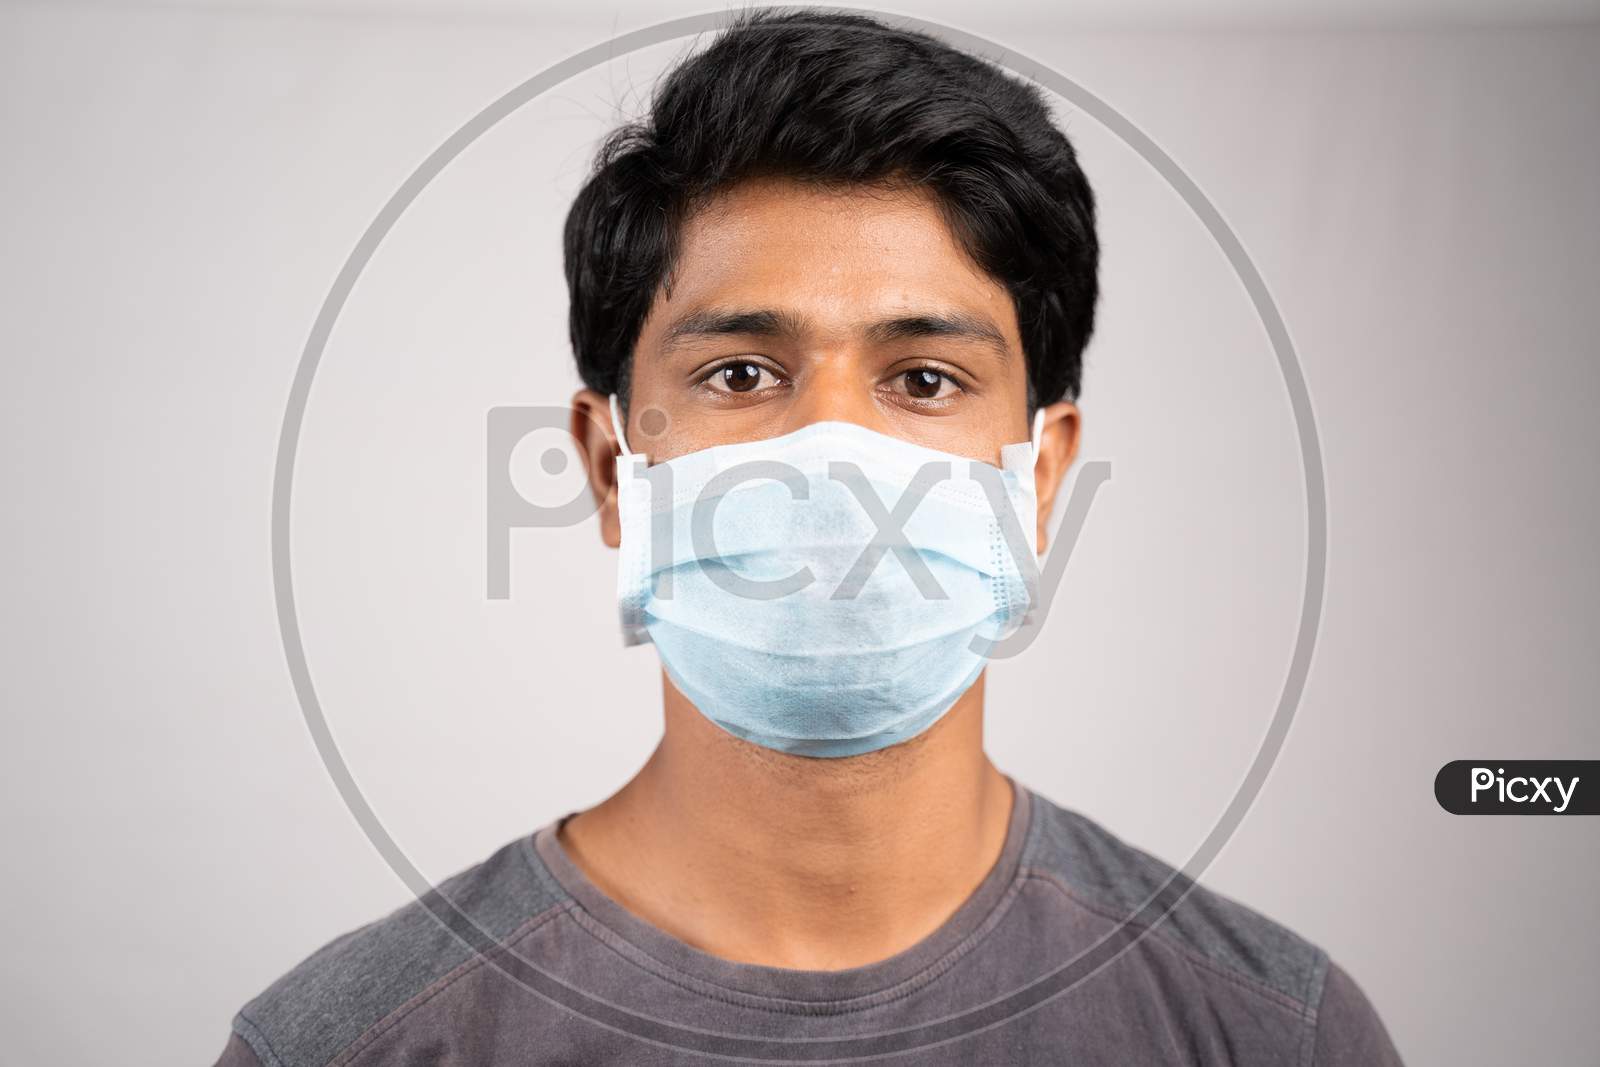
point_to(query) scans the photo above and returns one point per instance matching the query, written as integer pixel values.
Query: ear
(1058, 447)
(597, 445)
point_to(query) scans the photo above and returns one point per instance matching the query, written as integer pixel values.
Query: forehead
(829, 253)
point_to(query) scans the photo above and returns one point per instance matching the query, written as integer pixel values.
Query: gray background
(181, 185)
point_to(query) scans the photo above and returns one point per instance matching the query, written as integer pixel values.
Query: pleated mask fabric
(829, 592)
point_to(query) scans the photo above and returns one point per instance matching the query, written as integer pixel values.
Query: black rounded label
(1519, 787)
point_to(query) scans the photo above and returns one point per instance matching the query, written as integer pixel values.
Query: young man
(836, 263)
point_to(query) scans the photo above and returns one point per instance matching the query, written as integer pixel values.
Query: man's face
(791, 304)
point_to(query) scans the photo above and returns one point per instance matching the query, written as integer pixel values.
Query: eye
(741, 376)
(925, 383)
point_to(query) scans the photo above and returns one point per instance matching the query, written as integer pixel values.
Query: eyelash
(708, 378)
(928, 401)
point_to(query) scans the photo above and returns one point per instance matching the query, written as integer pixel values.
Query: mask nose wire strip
(622, 436)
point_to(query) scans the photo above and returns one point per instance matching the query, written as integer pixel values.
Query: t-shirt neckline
(647, 944)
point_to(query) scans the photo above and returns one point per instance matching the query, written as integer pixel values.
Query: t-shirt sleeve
(238, 1054)
(1349, 1032)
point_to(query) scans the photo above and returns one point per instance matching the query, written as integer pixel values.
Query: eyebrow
(717, 323)
(768, 322)
(955, 325)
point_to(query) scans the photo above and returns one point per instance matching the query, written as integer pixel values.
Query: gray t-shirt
(1037, 967)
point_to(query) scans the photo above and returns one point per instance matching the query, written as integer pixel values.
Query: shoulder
(1108, 875)
(1105, 874)
(325, 1003)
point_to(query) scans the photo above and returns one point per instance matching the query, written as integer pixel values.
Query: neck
(788, 861)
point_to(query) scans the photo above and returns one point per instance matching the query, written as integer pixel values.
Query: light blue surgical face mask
(829, 592)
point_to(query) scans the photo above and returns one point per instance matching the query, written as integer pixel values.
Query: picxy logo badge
(1519, 787)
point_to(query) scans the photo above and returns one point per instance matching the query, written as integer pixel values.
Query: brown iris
(923, 384)
(741, 377)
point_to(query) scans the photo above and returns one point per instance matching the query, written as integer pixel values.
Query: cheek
(990, 422)
(677, 433)
(655, 424)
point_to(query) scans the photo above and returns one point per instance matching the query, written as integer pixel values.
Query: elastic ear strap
(622, 436)
(1038, 432)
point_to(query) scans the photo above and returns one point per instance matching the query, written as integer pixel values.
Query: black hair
(840, 99)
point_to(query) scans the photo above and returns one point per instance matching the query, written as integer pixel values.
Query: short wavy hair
(840, 99)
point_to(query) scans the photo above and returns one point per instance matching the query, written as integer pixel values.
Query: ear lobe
(1058, 447)
(597, 447)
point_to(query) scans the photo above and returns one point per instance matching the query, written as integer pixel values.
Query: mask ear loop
(622, 436)
(1038, 433)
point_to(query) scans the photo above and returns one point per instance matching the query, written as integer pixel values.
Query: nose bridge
(837, 386)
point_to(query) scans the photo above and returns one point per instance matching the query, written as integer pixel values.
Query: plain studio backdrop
(182, 184)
